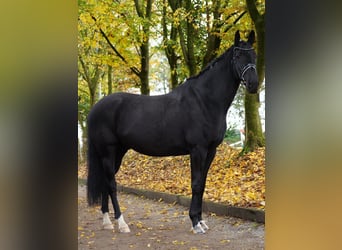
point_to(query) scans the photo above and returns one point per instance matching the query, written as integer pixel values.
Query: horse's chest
(206, 133)
(216, 136)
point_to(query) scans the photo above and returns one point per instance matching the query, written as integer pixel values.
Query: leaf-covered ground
(232, 179)
(158, 225)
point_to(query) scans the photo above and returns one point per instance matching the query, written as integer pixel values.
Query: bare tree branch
(253, 11)
(85, 75)
(235, 22)
(132, 68)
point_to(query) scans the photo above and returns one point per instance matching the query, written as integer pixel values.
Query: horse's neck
(218, 87)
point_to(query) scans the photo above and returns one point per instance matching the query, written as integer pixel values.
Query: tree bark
(92, 80)
(254, 136)
(186, 37)
(169, 43)
(145, 68)
(213, 40)
(82, 150)
(144, 47)
(190, 39)
(110, 80)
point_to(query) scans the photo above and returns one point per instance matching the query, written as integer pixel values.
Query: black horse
(189, 120)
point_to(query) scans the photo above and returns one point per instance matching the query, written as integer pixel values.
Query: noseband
(246, 67)
(244, 70)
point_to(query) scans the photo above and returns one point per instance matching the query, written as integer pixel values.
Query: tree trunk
(213, 40)
(144, 87)
(190, 40)
(187, 38)
(92, 97)
(84, 143)
(82, 151)
(144, 47)
(174, 75)
(169, 43)
(110, 80)
(254, 135)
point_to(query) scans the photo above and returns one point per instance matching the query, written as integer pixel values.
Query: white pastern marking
(107, 224)
(198, 229)
(123, 227)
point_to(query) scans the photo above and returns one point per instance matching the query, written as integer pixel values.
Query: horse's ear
(251, 37)
(237, 37)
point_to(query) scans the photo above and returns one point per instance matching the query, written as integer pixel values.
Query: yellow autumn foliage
(232, 179)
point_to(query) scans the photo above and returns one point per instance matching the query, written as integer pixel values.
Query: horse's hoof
(198, 229)
(124, 229)
(108, 226)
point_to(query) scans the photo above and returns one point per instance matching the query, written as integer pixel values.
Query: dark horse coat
(189, 120)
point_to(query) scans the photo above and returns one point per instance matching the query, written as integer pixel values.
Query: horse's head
(244, 58)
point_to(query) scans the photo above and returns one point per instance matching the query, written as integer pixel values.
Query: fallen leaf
(232, 179)
(224, 241)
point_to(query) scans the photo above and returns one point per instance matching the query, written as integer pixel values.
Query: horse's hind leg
(111, 165)
(123, 227)
(107, 223)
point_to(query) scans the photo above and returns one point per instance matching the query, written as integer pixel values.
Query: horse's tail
(96, 178)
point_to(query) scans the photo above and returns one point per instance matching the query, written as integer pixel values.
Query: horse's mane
(210, 65)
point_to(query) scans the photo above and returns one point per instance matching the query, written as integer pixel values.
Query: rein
(246, 67)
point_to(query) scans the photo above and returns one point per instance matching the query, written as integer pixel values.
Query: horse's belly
(161, 151)
(155, 145)
(157, 133)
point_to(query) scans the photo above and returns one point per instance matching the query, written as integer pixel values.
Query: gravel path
(157, 225)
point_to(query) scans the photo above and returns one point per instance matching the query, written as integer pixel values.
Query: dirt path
(157, 225)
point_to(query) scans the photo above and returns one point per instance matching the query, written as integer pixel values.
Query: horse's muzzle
(252, 86)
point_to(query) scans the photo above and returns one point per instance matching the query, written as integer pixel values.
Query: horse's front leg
(195, 210)
(200, 164)
(198, 157)
(209, 159)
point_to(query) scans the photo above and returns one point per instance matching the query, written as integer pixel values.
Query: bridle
(246, 67)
